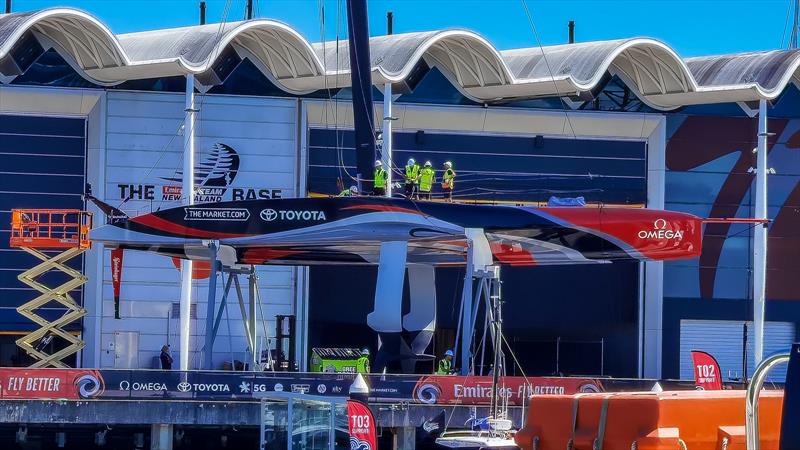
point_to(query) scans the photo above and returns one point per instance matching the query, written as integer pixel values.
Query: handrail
(751, 399)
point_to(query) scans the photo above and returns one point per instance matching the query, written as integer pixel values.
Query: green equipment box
(338, 360)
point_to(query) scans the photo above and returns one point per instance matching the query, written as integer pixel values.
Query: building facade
(646, 130)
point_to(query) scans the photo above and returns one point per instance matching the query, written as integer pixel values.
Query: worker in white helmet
(427, 178)
(412, 178)
(379, 180)
(351, 192)
(448, 181)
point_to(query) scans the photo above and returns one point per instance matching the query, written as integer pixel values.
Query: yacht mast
(497, 325)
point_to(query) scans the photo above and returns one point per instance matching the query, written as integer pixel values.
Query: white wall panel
(145, 147)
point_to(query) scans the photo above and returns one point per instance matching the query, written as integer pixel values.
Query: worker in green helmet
(379, 180)
(427, 177)
(448, 181)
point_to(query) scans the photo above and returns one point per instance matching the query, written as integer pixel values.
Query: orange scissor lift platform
(687, 420)
(53, 236)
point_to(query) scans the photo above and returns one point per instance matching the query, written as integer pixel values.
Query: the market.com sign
(213, 177)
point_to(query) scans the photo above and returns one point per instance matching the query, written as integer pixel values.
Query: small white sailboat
(496, 431)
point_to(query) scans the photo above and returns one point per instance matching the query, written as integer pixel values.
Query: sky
(691, 27)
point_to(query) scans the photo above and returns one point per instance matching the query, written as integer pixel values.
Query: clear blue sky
(692, 27)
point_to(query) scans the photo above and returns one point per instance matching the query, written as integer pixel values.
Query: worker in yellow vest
(448, 181)
(352, 192)
(427, 177)
(379, 180)
(412, 178)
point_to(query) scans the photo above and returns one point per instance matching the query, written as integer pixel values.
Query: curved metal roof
(475, 67)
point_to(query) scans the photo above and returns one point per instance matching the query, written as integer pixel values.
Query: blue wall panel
(499, 168)
(43, 167)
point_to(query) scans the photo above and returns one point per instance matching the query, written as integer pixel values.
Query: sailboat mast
(361, 82)
(497, 324)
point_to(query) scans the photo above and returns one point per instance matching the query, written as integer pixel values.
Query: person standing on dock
(448, 181)
(166, 358)
(427, 177)
(446, 364)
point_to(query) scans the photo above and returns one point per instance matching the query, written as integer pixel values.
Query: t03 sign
(361, 425)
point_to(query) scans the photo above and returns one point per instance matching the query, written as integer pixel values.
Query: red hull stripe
(509, 254)
(152, 221)
(262, 255)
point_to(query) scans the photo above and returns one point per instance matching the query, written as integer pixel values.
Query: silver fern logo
(213, 174)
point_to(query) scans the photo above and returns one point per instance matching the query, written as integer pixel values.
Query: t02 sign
(706, 371)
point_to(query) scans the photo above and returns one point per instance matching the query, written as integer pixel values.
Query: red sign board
(116, 277)
(361, 425)
(71, 384)
(706, 371)
(477, 390)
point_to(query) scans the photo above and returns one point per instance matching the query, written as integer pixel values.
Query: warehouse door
(728, 340)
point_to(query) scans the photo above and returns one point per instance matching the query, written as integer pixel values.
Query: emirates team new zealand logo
(214, 174)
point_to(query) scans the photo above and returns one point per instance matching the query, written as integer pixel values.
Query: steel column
(760, 235)
(386, 154)
(210, 308)
(253, 285)
(188, 199)
(466, 310)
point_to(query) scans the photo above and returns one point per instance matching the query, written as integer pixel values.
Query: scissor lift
(38, 231)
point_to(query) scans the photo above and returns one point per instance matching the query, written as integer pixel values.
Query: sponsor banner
(219, 386)
(334, 385)
(77, 384)
(157, 385)
(116, 277)
(477, 390)
(706, 371)
(116, 384)
(361, 426)
(73, 384)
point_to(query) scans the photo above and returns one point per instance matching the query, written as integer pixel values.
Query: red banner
(71, 384)
(116, 277)
(477, 390)
(706, 371)
(361, 425)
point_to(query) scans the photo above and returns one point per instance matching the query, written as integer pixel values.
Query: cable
(786, 23)
(547, 64)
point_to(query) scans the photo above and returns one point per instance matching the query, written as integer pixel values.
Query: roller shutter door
(724, 339)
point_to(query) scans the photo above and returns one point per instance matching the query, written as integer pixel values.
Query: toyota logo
(184, 386)
(269, 214)
(660, 224)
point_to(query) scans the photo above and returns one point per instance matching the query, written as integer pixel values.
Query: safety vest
(445, 367)
(380, 178)
(412, 174)
(449, 179)
(426, 179)
(362, 365)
